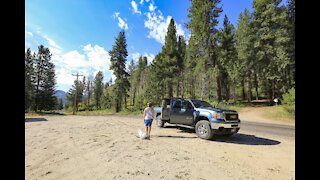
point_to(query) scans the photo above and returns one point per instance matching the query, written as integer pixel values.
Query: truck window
(186, 105)
(177, 104)
(165, 103)
(199, 103)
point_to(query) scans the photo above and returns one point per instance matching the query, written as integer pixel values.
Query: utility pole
(75, 95)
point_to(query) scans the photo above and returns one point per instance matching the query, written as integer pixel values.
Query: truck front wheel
(159, 122)
(203, 129)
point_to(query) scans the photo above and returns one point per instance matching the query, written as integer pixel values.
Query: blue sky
(79, 33)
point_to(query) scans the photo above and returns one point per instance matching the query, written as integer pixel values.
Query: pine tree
(182, 47)
(202, 43)
(118, 65)
(245, 38)
(170, 59)
(29, 78)
(132, 68)
(98, 89)
(269, 20)
(155, 84)
(290, 70)
(44, 80)
(227, 57)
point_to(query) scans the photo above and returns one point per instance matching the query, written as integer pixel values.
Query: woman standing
(148, 118)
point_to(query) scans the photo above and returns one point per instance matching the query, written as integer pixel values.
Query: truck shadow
(182, 129)
(246, 139)
(238, 138)
(177, 137)
(35, 119)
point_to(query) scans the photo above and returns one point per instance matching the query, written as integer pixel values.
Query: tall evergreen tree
(118, 65)
(29, 78)
(245, 37)
(203, 16)
(44, 80)
(181, 48)
(227, 57)
(98, 88)
(155, 84)
(171, 59)
(290, 70)
(269, 19)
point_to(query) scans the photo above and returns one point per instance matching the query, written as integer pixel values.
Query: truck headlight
(218, 115)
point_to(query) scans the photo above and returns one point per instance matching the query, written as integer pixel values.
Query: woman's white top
(148, 113)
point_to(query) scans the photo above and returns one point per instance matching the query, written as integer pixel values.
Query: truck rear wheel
(203, 129)
(159, 122)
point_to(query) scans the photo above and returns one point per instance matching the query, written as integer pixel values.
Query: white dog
(143, 135)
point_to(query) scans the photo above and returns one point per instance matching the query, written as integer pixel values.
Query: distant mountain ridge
(61, 95)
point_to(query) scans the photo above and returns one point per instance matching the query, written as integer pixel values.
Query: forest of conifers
(254, 59)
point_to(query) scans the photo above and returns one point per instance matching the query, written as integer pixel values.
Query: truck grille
(230, 117)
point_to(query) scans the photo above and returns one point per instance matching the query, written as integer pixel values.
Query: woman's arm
(144, 114)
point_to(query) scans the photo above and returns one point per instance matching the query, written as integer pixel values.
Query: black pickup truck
(202, 116)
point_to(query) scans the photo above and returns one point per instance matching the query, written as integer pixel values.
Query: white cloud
(135, 7)
(95, 58)
(151, 7)
(64, 76)
(150, 57)
(52, 43)
(135, 56)
(30, 34)
(54, 50)
(141, 2)
(74, 59)
(121, 22)
(116, 14)
(158, 25)
(99, 58)
(35, 39)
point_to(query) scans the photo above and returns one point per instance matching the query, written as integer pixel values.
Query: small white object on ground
(142, 135)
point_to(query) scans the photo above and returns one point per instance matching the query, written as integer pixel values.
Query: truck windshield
(199, 103)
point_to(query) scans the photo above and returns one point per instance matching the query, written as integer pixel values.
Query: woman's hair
(149, 104)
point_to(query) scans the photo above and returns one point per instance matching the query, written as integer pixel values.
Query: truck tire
(159, 122)
(203, 129)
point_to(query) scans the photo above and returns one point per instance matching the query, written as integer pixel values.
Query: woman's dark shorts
(148, 122)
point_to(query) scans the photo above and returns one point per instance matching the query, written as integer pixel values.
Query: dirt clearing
(108, 147)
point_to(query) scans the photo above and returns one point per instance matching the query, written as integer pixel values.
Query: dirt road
(108, 147)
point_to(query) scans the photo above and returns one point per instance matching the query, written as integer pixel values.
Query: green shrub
(289, 101)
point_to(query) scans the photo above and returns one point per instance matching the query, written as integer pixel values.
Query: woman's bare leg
(149, 131)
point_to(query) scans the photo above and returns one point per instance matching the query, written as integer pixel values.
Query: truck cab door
(182, 112)
(165, 109)
(187, 113)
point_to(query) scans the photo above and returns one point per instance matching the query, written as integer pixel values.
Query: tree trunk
(178, 88)
(273, 89)
(125, 101)
(249, 93)
(170, 90)
(256, 85)
(218, 89)
(182, 86)
(243, 90)
(134, 96)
